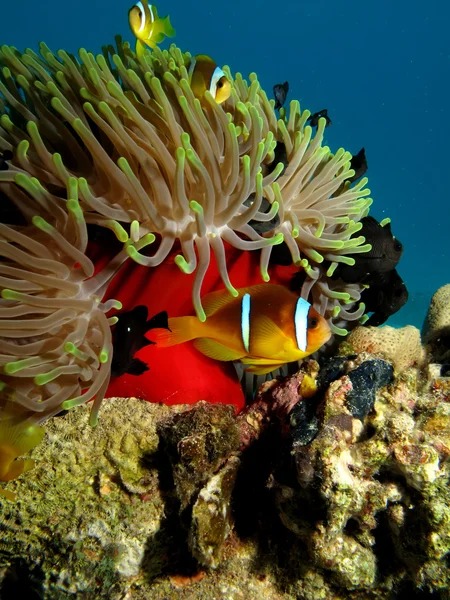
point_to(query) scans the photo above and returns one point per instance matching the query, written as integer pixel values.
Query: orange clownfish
(147, 27)
(17, 437)
(205, 75)
(265, 326)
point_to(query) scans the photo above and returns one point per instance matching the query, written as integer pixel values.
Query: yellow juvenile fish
(265, 326)
(17, 437)
(204, 75)
(147, 27)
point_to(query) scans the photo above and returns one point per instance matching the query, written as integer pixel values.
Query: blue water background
(382, 69)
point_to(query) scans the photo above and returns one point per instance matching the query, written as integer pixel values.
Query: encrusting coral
(124, 144)
(401, 346)
(436, 327)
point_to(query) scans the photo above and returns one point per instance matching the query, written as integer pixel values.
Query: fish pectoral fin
(216, 350)
(140, 48)
(137, 367)
(266, 337)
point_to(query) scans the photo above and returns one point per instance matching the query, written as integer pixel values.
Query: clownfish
(205, 75)
(265, 326)
(147, 27)
(17, 437)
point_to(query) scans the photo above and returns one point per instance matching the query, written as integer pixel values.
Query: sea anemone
(146, 152)
(123, 143)
(55, 339)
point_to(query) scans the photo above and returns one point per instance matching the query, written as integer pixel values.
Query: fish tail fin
(181, 329)
(161, 28)
(167, 27)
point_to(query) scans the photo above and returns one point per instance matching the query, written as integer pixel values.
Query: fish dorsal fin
(215, 350)
(215, 300)
(255, 290)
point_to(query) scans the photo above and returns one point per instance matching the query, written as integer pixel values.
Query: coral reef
(279, 501)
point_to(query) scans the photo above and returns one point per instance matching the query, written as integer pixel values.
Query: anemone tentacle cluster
(123, 143)
(55, 338)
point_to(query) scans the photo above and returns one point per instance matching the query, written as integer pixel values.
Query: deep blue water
(381, 68)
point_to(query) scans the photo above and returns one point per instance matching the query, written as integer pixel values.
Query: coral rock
(402, 347)
(211, 515)
(436, 327)
(437, 321)
(198, 442)
(366, 379)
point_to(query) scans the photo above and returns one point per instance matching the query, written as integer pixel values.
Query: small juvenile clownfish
(147, 27)
(205, 75)
(265, 326)
(17, 437)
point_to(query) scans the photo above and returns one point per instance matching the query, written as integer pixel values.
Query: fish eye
(140, 14)
(398, 246)
(219, 84)
(313, 322)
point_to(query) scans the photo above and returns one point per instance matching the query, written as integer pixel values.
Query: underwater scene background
(381, 69)
(262, 479)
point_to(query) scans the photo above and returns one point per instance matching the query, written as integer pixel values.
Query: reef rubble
(333, 483)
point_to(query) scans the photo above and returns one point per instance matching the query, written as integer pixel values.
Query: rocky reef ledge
(332, 484)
